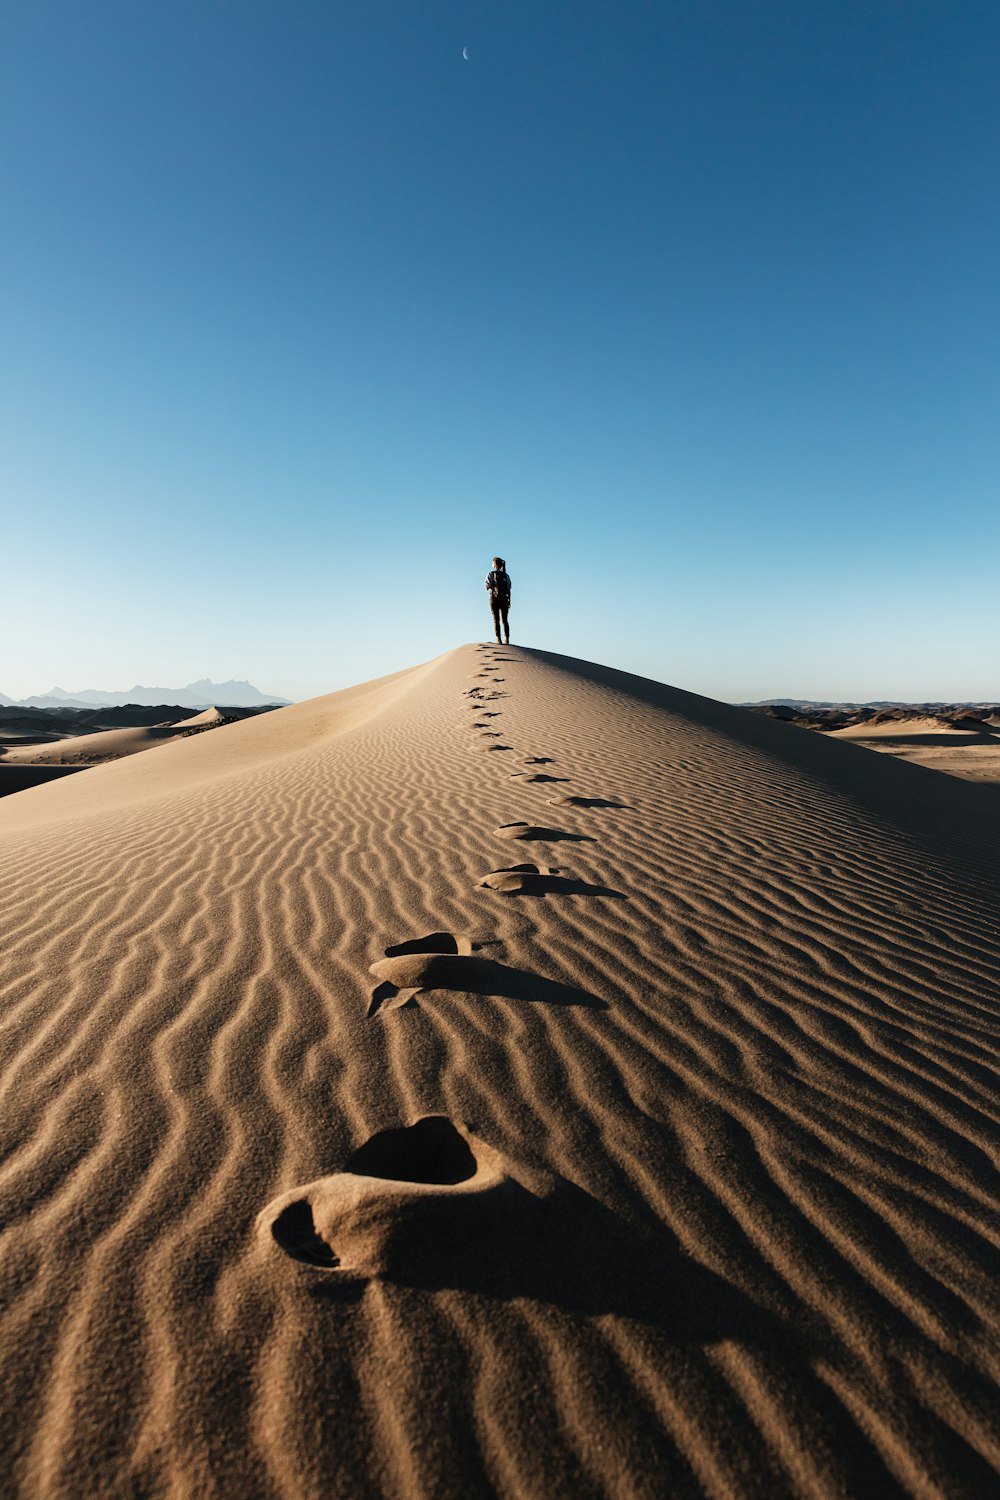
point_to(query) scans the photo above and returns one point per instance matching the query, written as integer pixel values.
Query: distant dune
(72, 750)
(83, 749)
(510, 1076)
(958, 739)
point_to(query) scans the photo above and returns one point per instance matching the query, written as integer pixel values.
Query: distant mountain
(846, 704)
(202, 694)
(981, 717)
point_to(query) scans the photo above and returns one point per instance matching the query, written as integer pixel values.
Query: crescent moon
(465, 53)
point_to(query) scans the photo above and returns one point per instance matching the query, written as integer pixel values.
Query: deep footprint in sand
(541, 777)
(535, 880)
(530, 832)
(400, 1202)
(442, 961)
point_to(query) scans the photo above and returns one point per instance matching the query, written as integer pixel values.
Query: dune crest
(342, 1153)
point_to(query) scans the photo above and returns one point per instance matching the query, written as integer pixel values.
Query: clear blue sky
(689, 309)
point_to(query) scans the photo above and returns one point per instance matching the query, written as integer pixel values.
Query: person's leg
(506, 628)
(495, 607)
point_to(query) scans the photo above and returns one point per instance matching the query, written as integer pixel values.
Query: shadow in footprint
(570, 801)
(434, 942)
(529, 832)
(539, 760)
(408, 975)
(528, 880)
(498, 747)
(542, 777)
(431, 1151)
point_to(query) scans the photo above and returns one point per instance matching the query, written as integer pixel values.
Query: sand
(508, 1077)
(109, 744)
(936, 744)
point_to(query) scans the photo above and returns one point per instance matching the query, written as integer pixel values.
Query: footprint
(569, 801)
(434, 942)
(542, 777)
(539, 760)
(498, 747)
(408, 970)
(532, 831)
(529, 880)
(403, 1204)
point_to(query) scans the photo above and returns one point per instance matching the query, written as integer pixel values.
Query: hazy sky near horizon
(690, 310)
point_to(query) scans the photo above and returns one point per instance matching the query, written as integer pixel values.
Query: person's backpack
(501, 583)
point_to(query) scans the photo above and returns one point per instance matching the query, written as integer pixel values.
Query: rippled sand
(510, 1076)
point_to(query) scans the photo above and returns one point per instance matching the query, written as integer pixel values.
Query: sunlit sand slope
(511, 1077)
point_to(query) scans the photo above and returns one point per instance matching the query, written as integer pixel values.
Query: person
(498, 588)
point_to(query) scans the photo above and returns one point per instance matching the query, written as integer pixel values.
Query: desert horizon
(43, 737)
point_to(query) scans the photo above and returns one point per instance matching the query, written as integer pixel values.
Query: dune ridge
(752, 1251)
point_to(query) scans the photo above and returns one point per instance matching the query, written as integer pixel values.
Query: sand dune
(207, 716)
(112, 744)
(971, 753)
(896, 728)
(91, 749)
(510, 1076)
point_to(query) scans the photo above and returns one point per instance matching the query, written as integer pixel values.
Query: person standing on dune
(498, 588)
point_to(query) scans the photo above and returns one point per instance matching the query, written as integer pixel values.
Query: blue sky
(690, 310)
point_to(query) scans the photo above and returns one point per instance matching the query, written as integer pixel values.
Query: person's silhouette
(498, 588)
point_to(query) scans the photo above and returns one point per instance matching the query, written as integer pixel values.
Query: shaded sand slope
(663, 1163)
